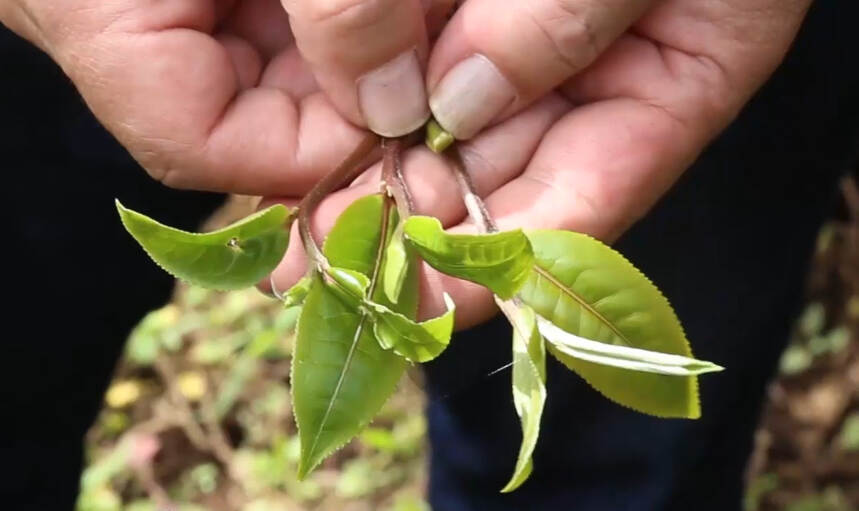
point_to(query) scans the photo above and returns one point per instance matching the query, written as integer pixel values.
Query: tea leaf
(341, 376)
(589, 290)
(529, 389)
(500, 261)
(397, 262)
(234, 257)
(417, 342)
(295, 295)
(351, 285)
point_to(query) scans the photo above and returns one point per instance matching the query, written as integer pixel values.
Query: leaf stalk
(348, 170)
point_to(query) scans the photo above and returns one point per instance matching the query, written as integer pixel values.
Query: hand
(602, 105)
(209, 94)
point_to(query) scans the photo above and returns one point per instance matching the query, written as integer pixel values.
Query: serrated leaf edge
(126, 212)
(695, 409)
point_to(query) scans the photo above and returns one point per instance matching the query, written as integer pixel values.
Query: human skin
(599, 107)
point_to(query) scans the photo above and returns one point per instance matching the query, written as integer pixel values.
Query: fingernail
(470, 96)
(393, 97)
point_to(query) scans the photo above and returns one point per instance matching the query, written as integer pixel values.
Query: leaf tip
(514, 483)
(307, 462)
(518, 478)
(301, 473)
(121, 209)
(714, 368)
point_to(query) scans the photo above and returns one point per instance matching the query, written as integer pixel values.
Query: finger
(437, 14)
(495, 58)
(368, 55)
(638, 125)
(263, 23)
(598, 170)
(245, 58)
(289, 72)
(494, 158)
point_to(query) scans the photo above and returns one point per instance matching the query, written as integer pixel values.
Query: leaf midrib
(572, 294)
(359, 330)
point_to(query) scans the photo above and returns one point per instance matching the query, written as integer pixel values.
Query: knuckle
(170, 176)
(158, 168)
(569, 32)
(171, 169)
(348, 14)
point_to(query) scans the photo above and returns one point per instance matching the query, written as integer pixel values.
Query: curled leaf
(234, 257)
(623, 357)
(417, 342)
(500, 261)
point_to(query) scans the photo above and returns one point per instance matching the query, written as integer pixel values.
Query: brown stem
(473, 203)
(392, 176)
(345, 172)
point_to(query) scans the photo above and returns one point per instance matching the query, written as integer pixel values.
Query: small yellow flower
(192, 385)
(123, 393)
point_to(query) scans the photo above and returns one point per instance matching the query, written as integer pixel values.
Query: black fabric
(74, 282)
(729, 246)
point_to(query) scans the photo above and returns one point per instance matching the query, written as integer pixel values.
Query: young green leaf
(341, 376)
(417, 342)
(437, 139)
(397, 262)
(295, 295)
(587, 289)
(352, 285)
(234, 257)
(500, 261)
(529, 389)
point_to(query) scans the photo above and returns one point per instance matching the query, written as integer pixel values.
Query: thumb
(494, 58)
(368, 56)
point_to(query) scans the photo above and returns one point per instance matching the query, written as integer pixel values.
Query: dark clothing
(728, 246)
(75, 285)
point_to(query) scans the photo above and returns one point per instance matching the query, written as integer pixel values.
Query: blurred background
(198, 416)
